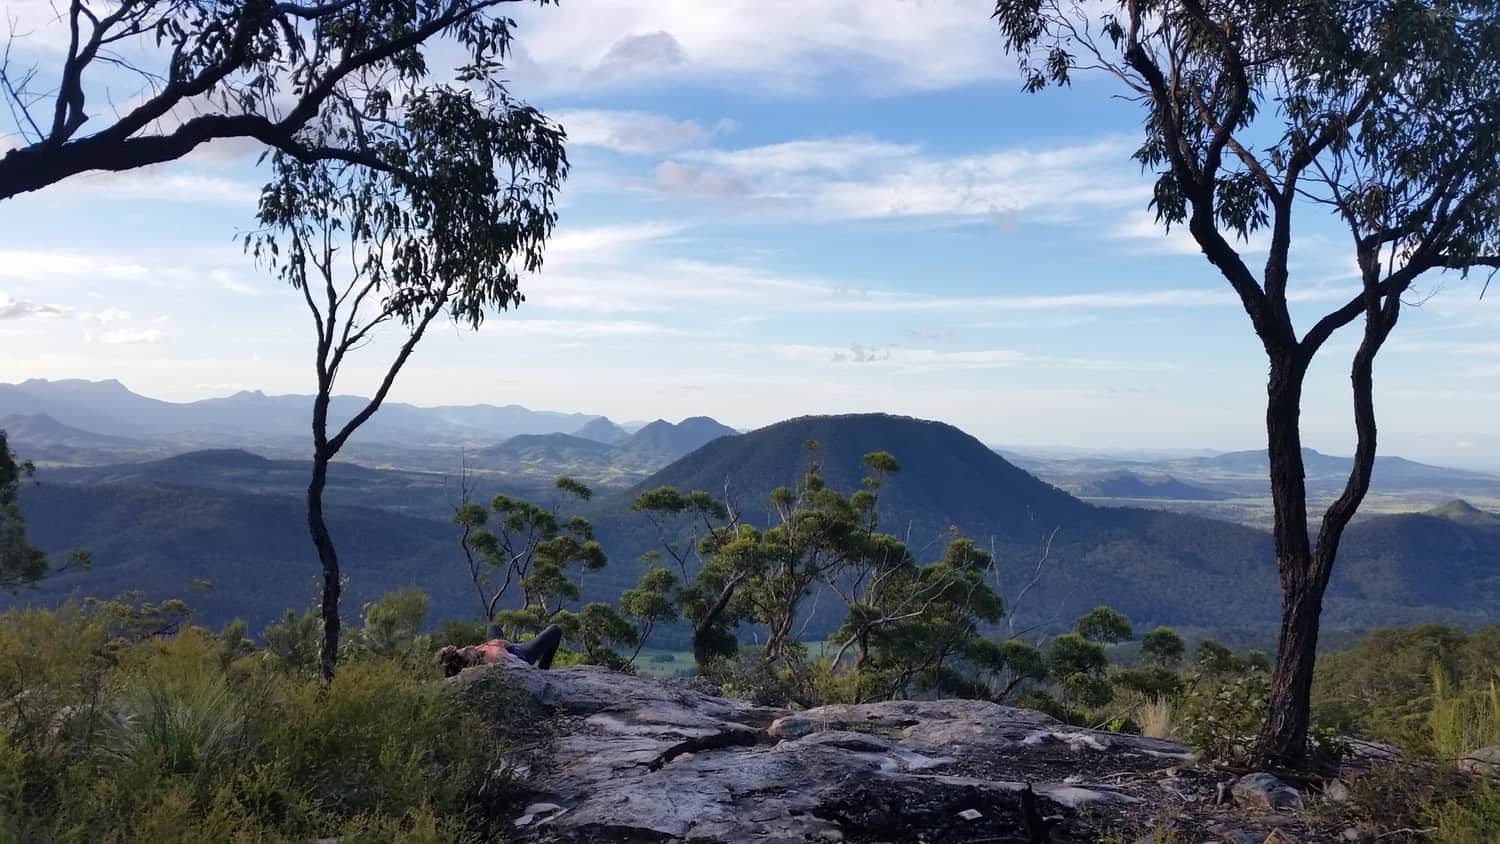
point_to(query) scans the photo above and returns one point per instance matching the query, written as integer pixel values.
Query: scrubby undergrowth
(112, 734)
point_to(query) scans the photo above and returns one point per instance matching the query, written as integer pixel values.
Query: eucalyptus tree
(463, 210)
(22, 563)
(528, 546)
(1382, 114)
(714, 555)
(143, 82)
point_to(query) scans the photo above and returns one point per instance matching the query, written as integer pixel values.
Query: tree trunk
(702, 645)
(1283, 738)
(329, 606)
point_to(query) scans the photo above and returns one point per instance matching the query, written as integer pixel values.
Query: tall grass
(1462, 720)
(1155, 718)
(180, 740)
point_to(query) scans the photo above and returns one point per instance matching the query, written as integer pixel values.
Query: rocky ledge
(634, 759)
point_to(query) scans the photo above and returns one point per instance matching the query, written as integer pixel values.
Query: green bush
(188, 738)
(1221, 716)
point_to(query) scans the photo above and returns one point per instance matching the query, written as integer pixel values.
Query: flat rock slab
(639, 759)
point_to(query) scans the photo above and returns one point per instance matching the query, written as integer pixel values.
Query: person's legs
(540, 650)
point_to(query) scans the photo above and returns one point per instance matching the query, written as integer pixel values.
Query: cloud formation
(781, 46)
(21, 309)
(635, 132)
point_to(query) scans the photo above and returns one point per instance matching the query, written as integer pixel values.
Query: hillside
(424, 494)
(1448, 557)
(602, 430)
(1132, 485)
(237, 520)
(556, 449)
(252, 549)
(41, 438)
(661, 442)
(590, 459)
(952, 481)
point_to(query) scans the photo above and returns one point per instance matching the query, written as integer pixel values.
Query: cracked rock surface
(639, 759)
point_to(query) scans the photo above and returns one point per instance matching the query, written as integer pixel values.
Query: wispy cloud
(866, 178)
(635, 132)
(165, 183)
(21, 309)
(920, 360)
(131, 336)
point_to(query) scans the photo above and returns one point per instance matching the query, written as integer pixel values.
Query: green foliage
(392, 624)
(1079, 666)
(531, 546)
(1149, 681)
(130, 618)
(233, 643)
(1102, 624)
(20, 562)
(1214, 658)
(292, 642)
(164, 739)
(1162, 647)
(650, 603)
(1001, 667)
(1387, 685)
(1465, 815)
(1462, 720)
(600, 632)
(1221, 715)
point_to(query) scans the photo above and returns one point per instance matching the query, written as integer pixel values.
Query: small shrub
(1220, 717)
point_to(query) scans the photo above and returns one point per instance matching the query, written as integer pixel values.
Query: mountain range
(109, 408)
(94, 423)
(236, 520)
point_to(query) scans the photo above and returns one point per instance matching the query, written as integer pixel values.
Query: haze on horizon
(758, 226)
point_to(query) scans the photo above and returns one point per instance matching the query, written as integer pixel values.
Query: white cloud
(232, 282)
(604, 244)
(33, 265)
(679, 179)
(21, 309)
(1142, 227)
(865, 178)
(131, 336)
(162, 183)
(105, 316)
(634, 131)
(782, 46)
(920, 360)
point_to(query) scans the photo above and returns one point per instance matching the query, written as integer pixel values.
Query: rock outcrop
(634, 759)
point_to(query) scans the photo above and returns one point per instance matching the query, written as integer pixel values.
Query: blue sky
(776, 208)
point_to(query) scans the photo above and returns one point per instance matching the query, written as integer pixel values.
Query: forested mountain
(237, 520)
(662, 441)
(602, 430)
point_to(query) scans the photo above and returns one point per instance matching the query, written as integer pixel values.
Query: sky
(776, 208)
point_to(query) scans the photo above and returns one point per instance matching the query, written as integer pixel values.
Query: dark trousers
(540, 650)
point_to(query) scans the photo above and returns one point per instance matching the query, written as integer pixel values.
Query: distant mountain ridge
(1255, 462)
(109, 408)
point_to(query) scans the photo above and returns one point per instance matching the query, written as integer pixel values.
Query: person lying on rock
(536, 652)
